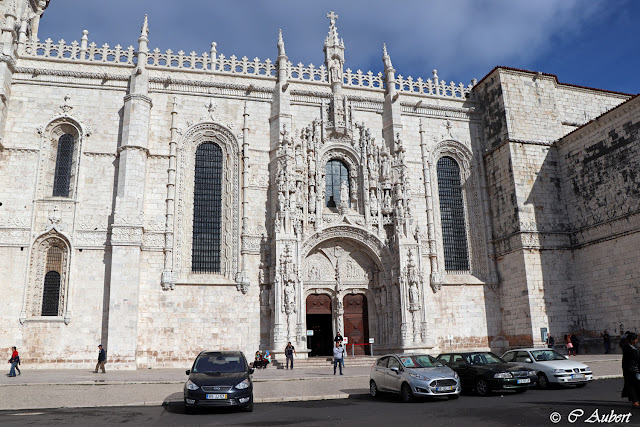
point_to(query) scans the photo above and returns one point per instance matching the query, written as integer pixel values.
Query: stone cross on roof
(332, 18)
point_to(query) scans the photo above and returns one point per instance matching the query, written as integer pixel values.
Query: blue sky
(585, 42)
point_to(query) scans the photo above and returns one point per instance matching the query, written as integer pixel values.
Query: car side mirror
(188, 371)
(527, 360)
(251, 371)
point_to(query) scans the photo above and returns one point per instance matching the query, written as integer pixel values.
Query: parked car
(485, 372)
(219, 378)
(550, 366)
(413, 375)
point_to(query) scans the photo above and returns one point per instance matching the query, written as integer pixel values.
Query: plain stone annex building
(164, 202)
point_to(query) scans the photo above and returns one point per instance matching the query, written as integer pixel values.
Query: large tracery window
(336, 173)
(64, 161)
(454, 235)
(207, 209)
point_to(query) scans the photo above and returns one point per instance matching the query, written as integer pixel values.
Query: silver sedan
(413, 375)
(551, 367)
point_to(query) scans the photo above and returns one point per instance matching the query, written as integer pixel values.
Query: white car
(550, 366)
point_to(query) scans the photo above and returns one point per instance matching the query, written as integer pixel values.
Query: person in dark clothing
(576, 344)
(623, 339)
(338, 338)
(15, 360)
(289, 351)
(102, 359)
(551, 342)
(631, 370)
(607, 341)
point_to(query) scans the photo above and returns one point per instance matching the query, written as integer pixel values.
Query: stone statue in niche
(373, 168)
(312, 200)
(298, 156)
(414, 297)
(373, 203)
(344, 193)
(386, 205)
(335, 73)
(399, 209)
(281, 202)
(312, 163)
(386, 169)
(289, 298)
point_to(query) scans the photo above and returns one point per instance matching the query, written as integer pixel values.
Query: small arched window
(207, 209)
(336, 173)
(454, 235)
(52, 282)
(64, 161)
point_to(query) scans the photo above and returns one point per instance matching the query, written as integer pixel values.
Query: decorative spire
(332, 38)
(389, 71)
(145, 28)
(281, 51)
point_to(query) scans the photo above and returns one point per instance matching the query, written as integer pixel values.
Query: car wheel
(406, 394)
(581, 385)
(521, 390)
(373, 389)
(453, 396)
(482, 387)
(543, 381)
(248, 407)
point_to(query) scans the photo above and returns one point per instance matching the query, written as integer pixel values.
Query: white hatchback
(550, 366)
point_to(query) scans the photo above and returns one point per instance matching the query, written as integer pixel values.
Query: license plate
(577, 376)
(216, 396)
(524, 381)
(447, 388)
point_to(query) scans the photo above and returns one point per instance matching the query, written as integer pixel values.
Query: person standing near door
(338, 357)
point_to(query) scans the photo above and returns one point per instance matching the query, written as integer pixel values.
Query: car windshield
(482, 359)
(420, 361)
(219, 362)
(545, 355)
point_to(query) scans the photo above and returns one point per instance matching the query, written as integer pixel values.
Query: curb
(104, 383)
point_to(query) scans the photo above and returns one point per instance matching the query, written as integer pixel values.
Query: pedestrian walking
(576, 344)
(569, 345)
(289, 351)
(623, 338)
(102, 359)
(607, 341)
(551, 343)
(631, 370)
(338, 357)
(15, 360)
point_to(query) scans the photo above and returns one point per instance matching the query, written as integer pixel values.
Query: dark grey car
(413, 375)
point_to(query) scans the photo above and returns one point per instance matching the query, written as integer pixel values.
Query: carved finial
(175, 104)
(384, 49)
(145, 27)
(386, 59)
(281, 51)
(332, 18)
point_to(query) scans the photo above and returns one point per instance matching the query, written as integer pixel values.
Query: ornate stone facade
(329, 189)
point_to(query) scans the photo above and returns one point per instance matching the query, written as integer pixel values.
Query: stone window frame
(183, 228)
(32, 306)
(462, 156)
(48, 155)
(351, 161)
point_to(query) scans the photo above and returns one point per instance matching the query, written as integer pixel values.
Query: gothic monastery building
(161, 203)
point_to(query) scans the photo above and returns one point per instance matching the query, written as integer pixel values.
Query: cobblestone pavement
(37, 389)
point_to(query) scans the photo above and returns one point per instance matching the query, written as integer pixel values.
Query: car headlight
(191, 385)
(503, 375)
(244, 384)
(419, 377)
(587, 368)
(455, 375)
(558, 371)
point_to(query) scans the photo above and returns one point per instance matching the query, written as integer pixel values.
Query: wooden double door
(356, 323)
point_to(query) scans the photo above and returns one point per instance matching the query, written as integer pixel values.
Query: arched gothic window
(64, 161)
(336, 173)
(454, 235)
(207, 209)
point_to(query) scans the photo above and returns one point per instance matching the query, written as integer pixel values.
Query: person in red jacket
(15, 359)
